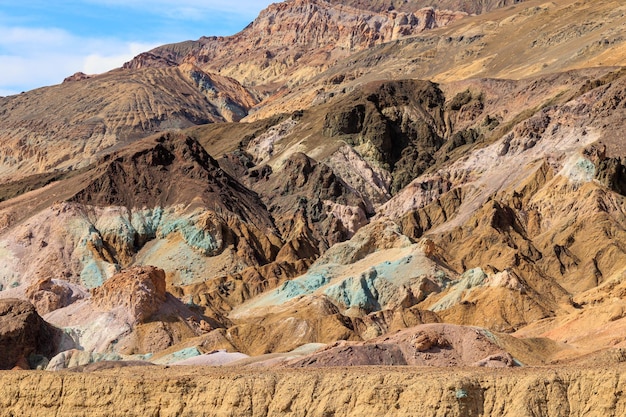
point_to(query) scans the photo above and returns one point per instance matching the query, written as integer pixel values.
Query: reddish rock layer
(139, 290)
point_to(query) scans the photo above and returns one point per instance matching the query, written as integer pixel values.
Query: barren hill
(470, 7)
(527, 39)
(69, 125)
(292, 41)
(337, 186)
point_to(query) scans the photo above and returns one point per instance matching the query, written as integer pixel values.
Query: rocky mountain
(68, 126)
(340, 184)
(292, 41)
(519, 42)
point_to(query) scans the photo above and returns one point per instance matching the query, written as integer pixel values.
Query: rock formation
(24, 337)
(341, 184)
(299, 39)
(341, 392)
(48, 295)
(433, 344)
(140, 291)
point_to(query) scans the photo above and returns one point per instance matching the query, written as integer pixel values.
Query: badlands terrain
(348, 208)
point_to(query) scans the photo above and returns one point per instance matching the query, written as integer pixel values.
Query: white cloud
(4, 92)
(15, 37)
(35, 57)
(21, 73)
(98, 63)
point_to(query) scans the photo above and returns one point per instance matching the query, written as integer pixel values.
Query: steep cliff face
(339, 392)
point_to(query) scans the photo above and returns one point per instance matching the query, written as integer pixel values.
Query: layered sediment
(157, 391)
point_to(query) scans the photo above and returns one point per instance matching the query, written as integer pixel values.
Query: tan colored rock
(388, 321)
(139, 290)
(366, 391)
(305, 320)
(48, 295)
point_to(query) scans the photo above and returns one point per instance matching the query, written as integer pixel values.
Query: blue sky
(43, 41)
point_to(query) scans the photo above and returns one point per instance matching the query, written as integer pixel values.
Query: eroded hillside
(419, 187)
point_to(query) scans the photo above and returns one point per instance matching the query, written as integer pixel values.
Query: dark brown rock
(403, 142)
(298, 196)
(22, 333)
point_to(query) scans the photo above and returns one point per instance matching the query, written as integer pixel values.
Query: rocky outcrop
(79, 76)
(398, 125)
(312, 207)
(149, 174)
(171, 171)
(23, 335)
(149, 60)
(48, 295)
(308, 320)
(139, 290)
(130, 314)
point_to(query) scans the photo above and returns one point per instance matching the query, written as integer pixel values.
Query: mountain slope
(68, 126)
(468, 179)
(532, 38)
(471, 7)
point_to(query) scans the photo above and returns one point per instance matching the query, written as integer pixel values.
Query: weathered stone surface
(139, 290)
(182, 391)
(22, 333)
(48, 295)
